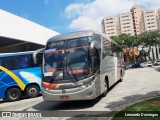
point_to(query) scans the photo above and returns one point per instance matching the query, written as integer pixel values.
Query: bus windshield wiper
(54, 75)
(71, 70)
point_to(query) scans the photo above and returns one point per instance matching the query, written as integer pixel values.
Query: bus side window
(96, 58)
(107, 50)
(97, 38)
(39, 59)
(117, 50)
(10, 63)
(23, 61)
(2, 63)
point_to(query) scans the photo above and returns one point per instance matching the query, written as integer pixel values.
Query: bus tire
(106, 88)
(13, 94)
(32, 91)
(121, 78)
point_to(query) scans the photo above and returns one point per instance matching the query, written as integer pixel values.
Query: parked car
(157, 62)
(128, 67)
(146, 64)
(136, 65)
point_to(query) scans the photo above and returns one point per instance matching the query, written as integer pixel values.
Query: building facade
(150, 20)
(109, 26)
(158, 18)
(138, 23)
(126, 23)
(135, 22)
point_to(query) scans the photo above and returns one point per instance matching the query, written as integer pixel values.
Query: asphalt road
(138, 84)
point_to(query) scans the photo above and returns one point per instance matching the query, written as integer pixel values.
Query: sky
(65, 16)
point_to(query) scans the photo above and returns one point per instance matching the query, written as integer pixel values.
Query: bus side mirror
(92, 48)
(35, 54)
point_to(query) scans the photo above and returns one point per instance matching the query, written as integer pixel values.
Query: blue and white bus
(19, 76)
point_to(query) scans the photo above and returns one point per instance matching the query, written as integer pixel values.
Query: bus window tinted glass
(96, 59)
(78, 56)
(116, 48)
(23, 61)
(59, 45)
(2, 62)
(54, 56)
(18, 62)
(10, 63)
(79, 42)
(107, 50)
(39, 59)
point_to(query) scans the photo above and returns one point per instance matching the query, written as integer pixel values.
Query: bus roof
(80, 34)
(16, 53)
(72, 35)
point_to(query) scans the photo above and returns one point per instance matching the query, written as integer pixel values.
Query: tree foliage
(151, 38)
(146, 39)
(125, 40)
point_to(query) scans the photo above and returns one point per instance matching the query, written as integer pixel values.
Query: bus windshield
(68, 59)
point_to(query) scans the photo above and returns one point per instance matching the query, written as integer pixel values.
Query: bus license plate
(64, 97)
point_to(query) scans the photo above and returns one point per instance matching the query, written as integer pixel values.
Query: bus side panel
(98, 85)
(5, 82)
(30, 75)
(27, 76)
(119, 68)
(116, 70)
(107, 68)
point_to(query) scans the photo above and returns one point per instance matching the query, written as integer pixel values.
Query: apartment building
(135, 22)
(158, 18)
(150, 20)
(109, 26)
(118, 26)
(126, 23)
(138, 23)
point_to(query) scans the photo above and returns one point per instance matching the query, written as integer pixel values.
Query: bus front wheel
(32, 91)
(13, 94)
(121, 78)
(106, 88)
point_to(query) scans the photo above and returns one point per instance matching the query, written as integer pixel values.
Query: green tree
(149, 39)
(146, 39)
(126, 41)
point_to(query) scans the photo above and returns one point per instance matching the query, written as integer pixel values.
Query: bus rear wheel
(121, 78)
(13, 94)
(106, 89)
(32, 91)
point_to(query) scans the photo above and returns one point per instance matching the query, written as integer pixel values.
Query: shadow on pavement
(118, 105)
(23, 98)
(80, 105)
(69, 105)
(2, 101)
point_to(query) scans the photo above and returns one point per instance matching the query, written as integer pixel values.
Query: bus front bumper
(79, 93)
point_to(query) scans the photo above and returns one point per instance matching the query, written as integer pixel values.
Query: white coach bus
(80, 66)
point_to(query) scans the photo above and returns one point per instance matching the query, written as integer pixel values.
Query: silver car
(157, 62)
(146, 64)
